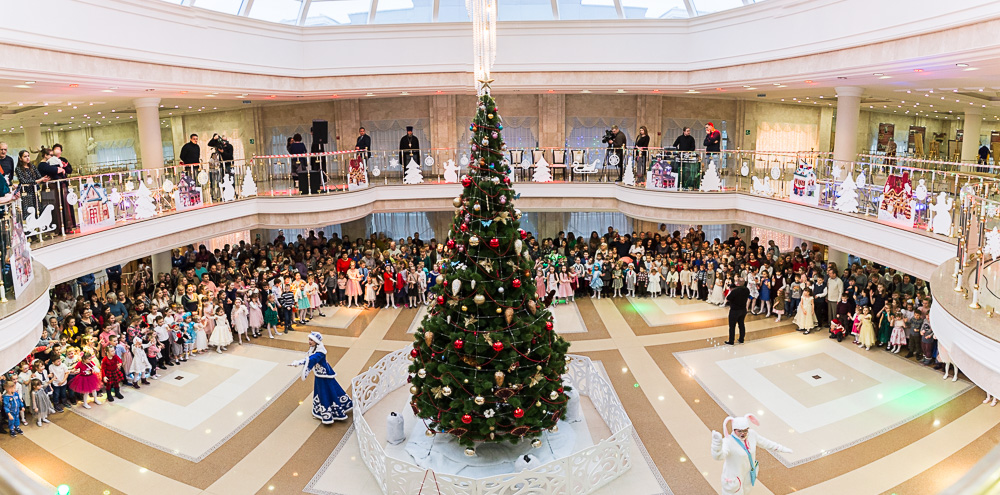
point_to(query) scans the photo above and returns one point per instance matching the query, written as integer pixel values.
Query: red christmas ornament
(464, 227)
(560, 390)
(497, 346)
(414, 353)
(440, 299)
(451, 243)
(459, 343)
(519, 413)
(466, 418)
(466, 181)
(524, 235)
(516, 283)
(548, 326)
(494, 242)
(506, 180)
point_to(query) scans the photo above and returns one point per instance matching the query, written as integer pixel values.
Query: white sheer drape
(586, 132)
(400, 225)
(518, 132)
(777, 136)
(277, 138)
(387, 133)
(118, 151)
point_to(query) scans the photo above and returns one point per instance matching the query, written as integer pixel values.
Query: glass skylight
(347, 12)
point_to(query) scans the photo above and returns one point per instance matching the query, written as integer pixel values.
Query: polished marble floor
(859, 422)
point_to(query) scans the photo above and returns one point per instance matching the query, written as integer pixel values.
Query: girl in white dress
(200, 337)
(140, 366)
(716, 297)
(805, 319)
(256, 314)
(241, 321)
(222, 336)
(673, 278)
(654, 283)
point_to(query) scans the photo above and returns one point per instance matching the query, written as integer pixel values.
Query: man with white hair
(738, 450)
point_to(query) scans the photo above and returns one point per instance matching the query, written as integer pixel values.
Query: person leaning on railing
(29, 178)
(56, 168)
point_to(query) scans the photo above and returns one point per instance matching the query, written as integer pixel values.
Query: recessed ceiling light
(776, 84)
(107, 91)
(620, 91)
(74, 85)
(29, 82)
(877, 74)
(210, 96)
(971, 68)
(585, 91)
(918, 70)
(961, 65)
(885, 77)
(369, 94)
(809, 81)
(22, 86)
(656, 91)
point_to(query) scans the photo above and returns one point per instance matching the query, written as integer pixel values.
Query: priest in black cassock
(409, 147)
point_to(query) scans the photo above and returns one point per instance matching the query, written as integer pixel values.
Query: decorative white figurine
(394, 434)
(738, 450)
(942, 213)
(450, 171)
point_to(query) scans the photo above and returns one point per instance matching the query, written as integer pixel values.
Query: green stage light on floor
(636, 385)
(62, 490)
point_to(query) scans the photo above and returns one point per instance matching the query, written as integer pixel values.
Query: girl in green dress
(271, 315)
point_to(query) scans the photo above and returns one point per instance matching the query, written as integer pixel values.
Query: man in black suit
(363, 144)
(737, 300)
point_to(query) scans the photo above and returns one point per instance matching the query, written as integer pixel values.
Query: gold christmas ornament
(465, 380)
(491, 435)
(499, 310)
(428, 338)
(539, 367)
(538, 404)
(470, 452)
(508, 314)
(479, 400)
(446, 391)
(532, 307)
(456, 286)
(479, 299)
(554, 429)
(422, 373)
(497, 377)
(553, 395)
(414, 390)
(476, 207)
(518, 245)
(474, 241)
(537, 443)
(457, 201)
(465, 308)
(429, 432)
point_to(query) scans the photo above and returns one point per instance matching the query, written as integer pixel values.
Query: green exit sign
(251, 139)
(747, 131)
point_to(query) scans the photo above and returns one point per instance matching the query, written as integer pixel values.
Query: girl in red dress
(389, 285)
(86, 380)
(111, 369)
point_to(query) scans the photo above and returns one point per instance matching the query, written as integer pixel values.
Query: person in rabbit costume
(738, 450)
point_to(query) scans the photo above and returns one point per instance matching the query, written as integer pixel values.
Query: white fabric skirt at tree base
(580, 473)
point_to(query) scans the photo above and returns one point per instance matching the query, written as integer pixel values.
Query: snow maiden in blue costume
(330, 402)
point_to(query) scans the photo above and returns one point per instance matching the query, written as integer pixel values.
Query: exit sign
(747, 131)
(251, 139)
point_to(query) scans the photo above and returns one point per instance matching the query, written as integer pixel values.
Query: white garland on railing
(580, 473)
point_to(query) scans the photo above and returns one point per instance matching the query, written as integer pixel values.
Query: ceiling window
(283, 11)
(587, 9)
(224, 6)
(452, 11)
(703, 7)
(403, 11)
(524, 10)
(654, 9)
(338, 12)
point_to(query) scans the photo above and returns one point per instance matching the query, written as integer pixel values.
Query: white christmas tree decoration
(847, 202)
(413, 173)
(942, 213)
(450, 171)
(992, 246)
(228, 188)
(249, 187)
(542, 172)
(144, 205)
(920, 193)
(629, 178)
(711, 181)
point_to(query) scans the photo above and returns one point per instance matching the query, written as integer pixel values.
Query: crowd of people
(95, 344)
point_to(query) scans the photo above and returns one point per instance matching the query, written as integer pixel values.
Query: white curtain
(586, 132)
(786, 243)
(292, 234)
(118, 151)
(387, 133)
(777, 136)
(400, 225)
(518, 132)
(277, 140)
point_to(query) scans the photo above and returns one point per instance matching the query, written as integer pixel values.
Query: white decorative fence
(578, 474)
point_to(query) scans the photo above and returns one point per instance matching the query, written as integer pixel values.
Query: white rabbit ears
(741, 422)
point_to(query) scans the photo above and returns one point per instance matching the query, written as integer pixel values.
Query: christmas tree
(144, 205)
(711, 182)
(413, 173)
(487, 364)
(629, 178)
(542, 172)
(249, 187)
(847, 202)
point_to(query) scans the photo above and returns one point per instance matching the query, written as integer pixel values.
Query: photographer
(224, 150)
(616, 144)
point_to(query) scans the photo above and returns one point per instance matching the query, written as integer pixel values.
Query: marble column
(845, 147)
(150, 141)
(970, 134)
(838, 257)
(33, 135)
(161, 263)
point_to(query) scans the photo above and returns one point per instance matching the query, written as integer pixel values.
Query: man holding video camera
(616, 144)
(224, 150)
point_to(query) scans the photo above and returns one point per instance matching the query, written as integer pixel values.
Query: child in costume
(86, 382)
(836, 330)
(738, 451)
